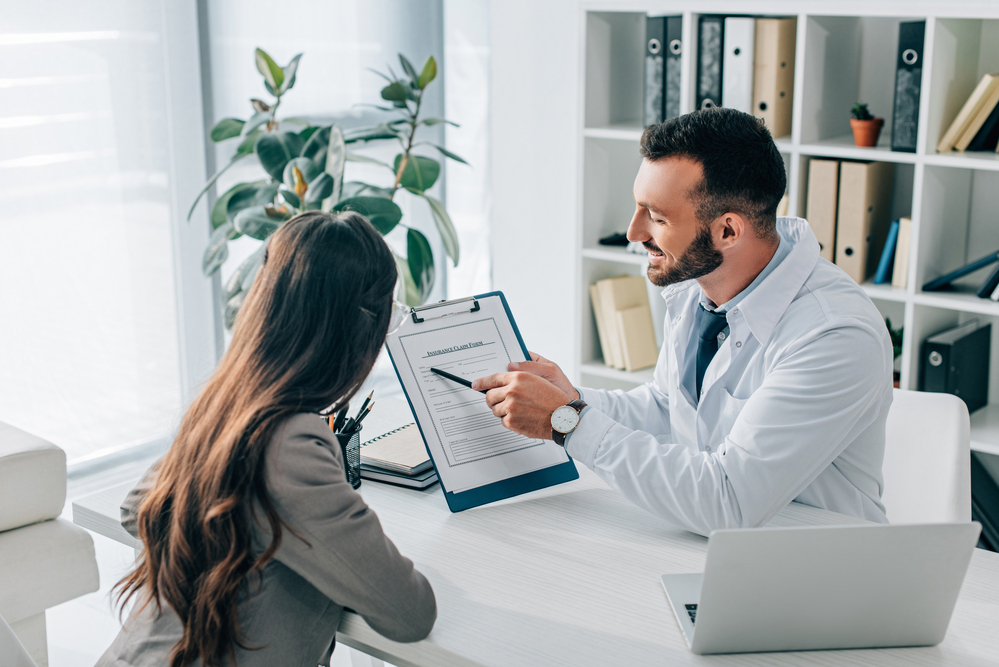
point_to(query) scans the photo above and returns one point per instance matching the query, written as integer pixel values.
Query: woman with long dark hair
(253, 541)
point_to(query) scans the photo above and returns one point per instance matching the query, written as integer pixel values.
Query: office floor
(80, 630)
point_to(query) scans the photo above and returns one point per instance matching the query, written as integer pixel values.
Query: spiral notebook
(400, 450)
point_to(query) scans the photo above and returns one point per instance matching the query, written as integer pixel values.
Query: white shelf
(964, 302)
(844, 147)
(616, 254)
(621, 132)
(985, 430)
(885, 292)
(602, 370)
(968, 160)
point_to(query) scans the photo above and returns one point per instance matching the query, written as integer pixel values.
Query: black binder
(956, 361)
(655, 70)
(908, 76)
(674, 47)
(988, 135)
(985, 503)
(710, 42)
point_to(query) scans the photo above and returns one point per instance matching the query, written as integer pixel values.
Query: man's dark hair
(743, 170)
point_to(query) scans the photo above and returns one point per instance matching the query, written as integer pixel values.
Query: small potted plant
(866, 128)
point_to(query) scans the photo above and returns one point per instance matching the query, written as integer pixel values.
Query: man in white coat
(774, 380)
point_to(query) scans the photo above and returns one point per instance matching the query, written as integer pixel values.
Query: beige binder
(598, 315)
(900, 273)
(773, 73)
(823, 197)
(862, 216)
(638, 338)
(979, 96)
(618, 294)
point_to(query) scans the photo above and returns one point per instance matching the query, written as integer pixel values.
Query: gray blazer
(293, 614)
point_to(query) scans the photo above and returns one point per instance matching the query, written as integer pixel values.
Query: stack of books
(849, 210)
(976, 127)
(394, 451)
(624, 322)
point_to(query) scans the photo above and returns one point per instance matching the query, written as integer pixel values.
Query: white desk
(570, 576)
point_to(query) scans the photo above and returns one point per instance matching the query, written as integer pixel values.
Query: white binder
(737, 63)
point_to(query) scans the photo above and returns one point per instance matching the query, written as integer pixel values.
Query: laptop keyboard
(692, 612)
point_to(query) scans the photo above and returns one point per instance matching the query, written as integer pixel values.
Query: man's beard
(699, 259)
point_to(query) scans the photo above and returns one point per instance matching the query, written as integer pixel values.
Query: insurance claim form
(469, 445)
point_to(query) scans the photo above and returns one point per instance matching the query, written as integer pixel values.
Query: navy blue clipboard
(507, 488)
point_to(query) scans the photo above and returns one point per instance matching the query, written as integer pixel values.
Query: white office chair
(11, 649)
(927, 466)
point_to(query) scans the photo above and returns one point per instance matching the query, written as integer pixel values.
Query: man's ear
(729, 229)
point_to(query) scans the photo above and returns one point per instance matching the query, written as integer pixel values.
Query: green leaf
(218, 249)
(445, 152)
(429, 72)
(336, 154)
(358, 189)
(257, 223)
(420, 172)
(395, 92)
(289, 72)
(227, 128)
(257, 194)
(320, 188)
(270, 88)
(383, 214)
(382, 131)
(411, 294)
(354, 157)
(291, 198)
(299, 120)
(316, 143)
(308, 133)
(408, 68)
(438, 121)
(256, 120)
(275, 149)
(305, 165)
(232, 307)
(444, 225)
(219, 216)
(420, 259)
(211, 181)
(242, 278)
(273, 75)
(249, 142)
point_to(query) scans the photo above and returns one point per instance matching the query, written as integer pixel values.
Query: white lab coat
(793, 406)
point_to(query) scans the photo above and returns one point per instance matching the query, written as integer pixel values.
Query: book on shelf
(989, 285)
(944, 281)
(738, 63)
(773, 73)
(979, 96)
(987, 138)
(622, 303)
(908, 80)
(995, 294)
(710, 42)
(655, 70)
(883, 274)
(862, 216)
(956, 361)
(823, 193)
(978, 121)
(900, 272)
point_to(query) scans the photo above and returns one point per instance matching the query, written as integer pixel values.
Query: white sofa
(44, 560)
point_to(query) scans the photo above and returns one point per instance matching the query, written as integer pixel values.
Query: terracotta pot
(866, 132)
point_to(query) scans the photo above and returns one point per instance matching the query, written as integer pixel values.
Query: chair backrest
(11, 649)
(927, 466)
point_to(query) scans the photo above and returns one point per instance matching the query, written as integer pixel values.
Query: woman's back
(333, 554)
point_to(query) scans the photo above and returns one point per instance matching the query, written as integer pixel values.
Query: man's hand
(548, 370)
(524, 401)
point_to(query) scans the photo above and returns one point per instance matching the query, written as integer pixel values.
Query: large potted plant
(304, 169)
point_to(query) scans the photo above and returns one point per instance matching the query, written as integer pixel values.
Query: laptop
(823, 587)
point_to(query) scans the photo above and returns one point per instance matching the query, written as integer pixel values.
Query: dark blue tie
(709, 325)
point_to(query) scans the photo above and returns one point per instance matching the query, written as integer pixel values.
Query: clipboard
(505, 488)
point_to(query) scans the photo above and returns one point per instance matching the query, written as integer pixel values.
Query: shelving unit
(953, 199)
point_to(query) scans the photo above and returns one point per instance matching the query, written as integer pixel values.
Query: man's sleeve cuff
(584, 441)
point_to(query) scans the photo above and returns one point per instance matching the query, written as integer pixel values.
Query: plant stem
(409, 146)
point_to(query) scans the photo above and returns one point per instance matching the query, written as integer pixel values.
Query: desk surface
(570, 576)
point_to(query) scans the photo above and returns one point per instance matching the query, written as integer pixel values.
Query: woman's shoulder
(303, 450)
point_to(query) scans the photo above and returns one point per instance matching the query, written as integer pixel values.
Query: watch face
(564, 419)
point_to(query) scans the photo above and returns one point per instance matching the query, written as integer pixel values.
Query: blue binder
(507, 488)
(887, 262)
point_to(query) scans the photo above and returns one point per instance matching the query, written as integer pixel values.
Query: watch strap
(576, 404)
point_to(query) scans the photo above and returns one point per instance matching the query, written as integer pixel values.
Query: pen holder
(350, 447)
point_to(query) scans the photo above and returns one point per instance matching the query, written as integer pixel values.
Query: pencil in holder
(350, 447)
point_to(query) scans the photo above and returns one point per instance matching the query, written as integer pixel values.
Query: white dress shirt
(792, 408)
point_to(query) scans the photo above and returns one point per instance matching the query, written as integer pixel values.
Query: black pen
(453, 378)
